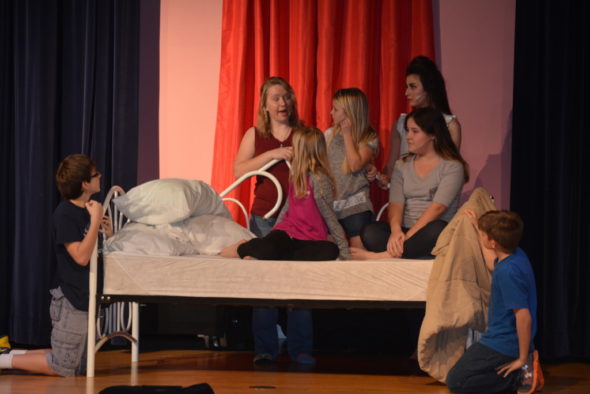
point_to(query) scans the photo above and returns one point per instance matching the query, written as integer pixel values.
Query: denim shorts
(354, 224)
(68, 336)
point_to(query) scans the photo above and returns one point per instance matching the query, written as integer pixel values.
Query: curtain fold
(550, 184)
(319, 47)
(6, 160)
(69, 85)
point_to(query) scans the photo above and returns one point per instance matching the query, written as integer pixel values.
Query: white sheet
(217, 277)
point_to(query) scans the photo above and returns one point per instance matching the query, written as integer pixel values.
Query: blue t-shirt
(513, 287)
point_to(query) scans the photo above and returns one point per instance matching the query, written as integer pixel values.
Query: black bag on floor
(202, 388)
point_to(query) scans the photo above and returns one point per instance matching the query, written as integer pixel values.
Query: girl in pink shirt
(301, 232)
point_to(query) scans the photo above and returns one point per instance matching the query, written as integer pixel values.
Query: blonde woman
(269, 139)
(352, 144)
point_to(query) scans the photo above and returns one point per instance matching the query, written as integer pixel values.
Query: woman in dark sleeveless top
(269, 139)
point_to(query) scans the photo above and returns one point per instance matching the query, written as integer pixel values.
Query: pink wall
(477, 59)
(476, 55)
(190, 50)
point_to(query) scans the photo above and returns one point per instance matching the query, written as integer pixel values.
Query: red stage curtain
(319, 46)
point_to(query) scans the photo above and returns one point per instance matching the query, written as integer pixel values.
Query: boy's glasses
(95, 174)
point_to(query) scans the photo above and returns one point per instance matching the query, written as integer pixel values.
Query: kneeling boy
(505, 358)
(77, 221)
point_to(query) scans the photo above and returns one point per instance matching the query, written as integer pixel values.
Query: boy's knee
(453, 380)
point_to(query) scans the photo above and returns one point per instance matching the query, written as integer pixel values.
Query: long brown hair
(310, 156)
(356, 108)
(432, 122)
(263, 124)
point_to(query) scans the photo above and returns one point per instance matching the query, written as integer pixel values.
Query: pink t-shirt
(303, 219)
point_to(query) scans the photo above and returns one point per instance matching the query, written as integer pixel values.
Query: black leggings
(278, 245)
(418, 246)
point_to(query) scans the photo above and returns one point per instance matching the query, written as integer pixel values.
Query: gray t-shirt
(442, 185)
(353, 187)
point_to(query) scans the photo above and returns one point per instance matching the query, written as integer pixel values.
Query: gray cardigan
(324, 199)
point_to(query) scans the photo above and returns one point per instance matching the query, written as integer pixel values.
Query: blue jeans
(260, 226)
(475, 372)
(354, 224)
(264, 320)
(299, 331)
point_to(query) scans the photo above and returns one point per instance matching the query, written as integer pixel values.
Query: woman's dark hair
(432, 81)
(432, 122)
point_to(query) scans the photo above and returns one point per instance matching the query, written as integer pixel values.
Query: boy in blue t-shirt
(77, 220)
(505, 358)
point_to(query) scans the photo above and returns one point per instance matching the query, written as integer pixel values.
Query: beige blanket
(458, 291)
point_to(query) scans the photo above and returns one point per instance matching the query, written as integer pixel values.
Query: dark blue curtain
(68, 84)
(550, 167)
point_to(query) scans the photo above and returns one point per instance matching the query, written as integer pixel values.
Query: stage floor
(233, 372)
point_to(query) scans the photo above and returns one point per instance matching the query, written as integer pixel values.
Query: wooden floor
(233, 372)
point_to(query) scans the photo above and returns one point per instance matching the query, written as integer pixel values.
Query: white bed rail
(121, 316)
(260, 172)
(383, 208)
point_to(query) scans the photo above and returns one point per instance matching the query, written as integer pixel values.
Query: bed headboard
(110, 209)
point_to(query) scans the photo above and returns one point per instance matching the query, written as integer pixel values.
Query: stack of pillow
(174, 217)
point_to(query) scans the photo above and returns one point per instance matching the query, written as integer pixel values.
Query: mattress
(217, 277)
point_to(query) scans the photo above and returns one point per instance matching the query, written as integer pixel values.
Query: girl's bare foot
(363, 254)
(232, 250)
(359, 253)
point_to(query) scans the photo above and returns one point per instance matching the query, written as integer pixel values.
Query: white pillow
(209, 233)
(170, 200)
(143, 239)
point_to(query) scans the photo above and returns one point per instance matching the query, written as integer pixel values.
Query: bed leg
(90, 348)
(135, 333)
(91, 345)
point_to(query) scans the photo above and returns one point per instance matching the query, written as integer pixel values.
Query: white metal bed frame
(118, 324)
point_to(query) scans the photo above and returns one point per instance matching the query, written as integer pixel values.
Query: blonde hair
(310, 157)
(356, 108)
(263, 124)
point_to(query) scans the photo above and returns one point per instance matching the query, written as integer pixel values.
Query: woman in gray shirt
(424, 194)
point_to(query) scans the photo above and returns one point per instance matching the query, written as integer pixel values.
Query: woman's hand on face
(283, 153)
(346, 125)
(395, 244)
